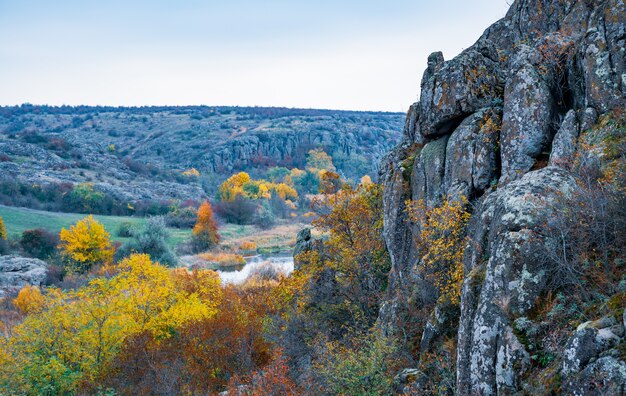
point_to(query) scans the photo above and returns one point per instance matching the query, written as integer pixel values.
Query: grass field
(280, 238)
(18, 220)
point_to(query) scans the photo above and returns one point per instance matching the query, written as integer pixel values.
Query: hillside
(140, 154)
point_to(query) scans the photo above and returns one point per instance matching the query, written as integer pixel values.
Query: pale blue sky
(342, 54)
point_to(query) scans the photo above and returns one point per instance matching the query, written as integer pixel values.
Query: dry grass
(280, 238)
(248, 246)
(223, 259)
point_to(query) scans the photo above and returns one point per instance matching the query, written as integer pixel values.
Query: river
(281, 263)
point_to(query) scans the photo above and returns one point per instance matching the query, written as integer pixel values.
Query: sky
(341, 54)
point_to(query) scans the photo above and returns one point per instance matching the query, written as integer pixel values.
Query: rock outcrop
(499, 125)
(16, 272)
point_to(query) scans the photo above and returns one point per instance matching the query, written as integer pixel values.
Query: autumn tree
(205, 235)
(317, 160)
(3, 230)
(73, 340)
(86, 243)
(233, 186)
(3, 238)
(441, 242)
(330, 182)
(355, 248)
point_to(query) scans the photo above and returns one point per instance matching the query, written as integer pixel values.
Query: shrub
(441, 243)
(151, 239)
(39, 243)
(125, 229)
(54, 275)
(265, 271)
(247, 246)
(584, 239)
(264, 218)
(366, 368)
(29, 300)
(181, 218)
(238, 211)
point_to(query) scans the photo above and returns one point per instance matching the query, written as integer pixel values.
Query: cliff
(512, 124)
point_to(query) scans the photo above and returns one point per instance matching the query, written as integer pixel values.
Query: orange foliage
(201, 357)
(247, 246)
(206, 227)
(29, 299)
(223, 259)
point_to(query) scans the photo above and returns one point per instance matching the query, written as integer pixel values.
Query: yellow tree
(441, 241)
(205, 231)
(318, 160)
(75, 336)
(233, 186)
(86, 243)
(3, 230)
(356, 250)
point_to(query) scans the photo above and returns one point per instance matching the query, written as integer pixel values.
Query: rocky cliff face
(500, 124)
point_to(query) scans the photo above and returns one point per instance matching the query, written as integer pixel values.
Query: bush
(247, 246)
(264, 218)
(3, 231)
(39, 243)
(86, 244)
(584, 239)
(125, 229)
(151, 240)
(238, 211)
(366, 368)
(54, 275)
(181, 218)
(265, 271)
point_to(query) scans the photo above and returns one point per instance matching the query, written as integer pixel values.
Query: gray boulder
(588, 341)
(17, 272)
